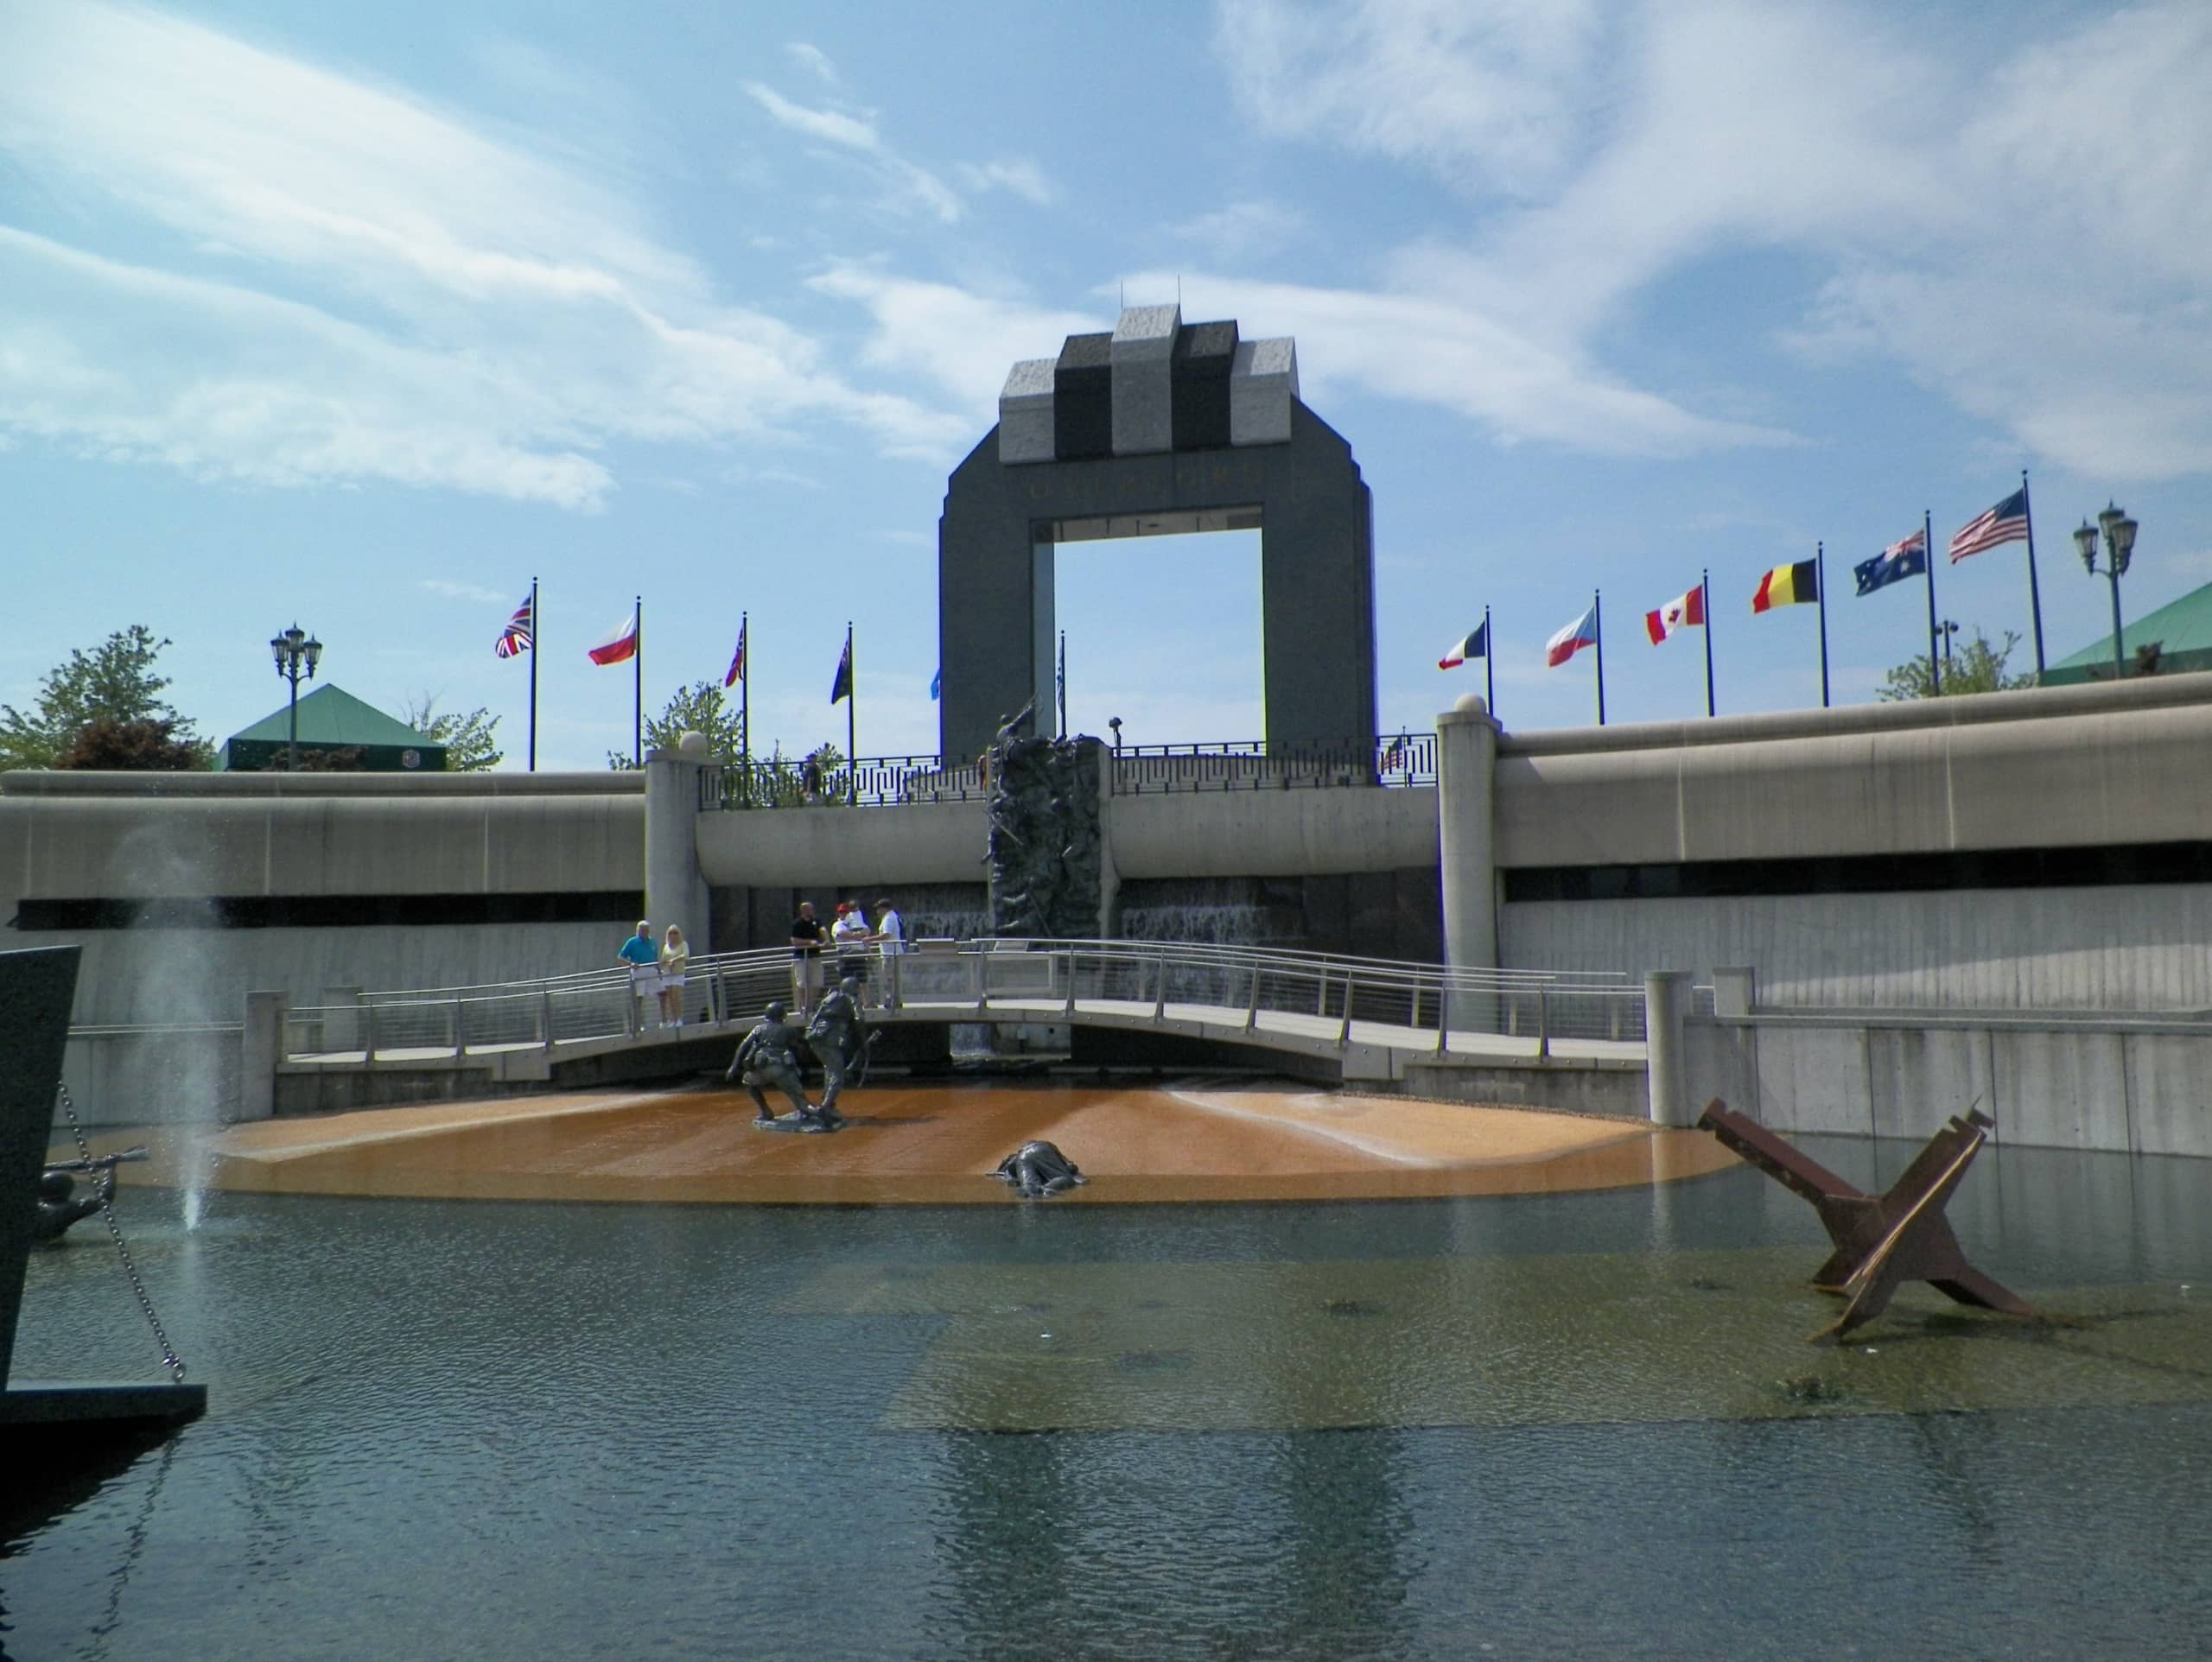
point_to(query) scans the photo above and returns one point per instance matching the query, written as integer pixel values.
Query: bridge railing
(1313, 995)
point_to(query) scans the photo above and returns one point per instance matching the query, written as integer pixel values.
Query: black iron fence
(883, 780)
(871, 782)
(1255, 765)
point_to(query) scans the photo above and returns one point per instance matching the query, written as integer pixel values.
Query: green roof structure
(2180, 630)
(331, 719)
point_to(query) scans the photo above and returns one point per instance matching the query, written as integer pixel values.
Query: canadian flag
(1683, 612)
(620, 646)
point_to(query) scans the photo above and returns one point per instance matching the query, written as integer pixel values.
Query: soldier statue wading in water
(768, 1055)
(838, 1034)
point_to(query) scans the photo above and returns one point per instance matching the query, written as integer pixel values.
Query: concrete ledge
(1613, 1088)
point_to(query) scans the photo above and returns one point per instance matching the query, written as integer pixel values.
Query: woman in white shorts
(675, 958)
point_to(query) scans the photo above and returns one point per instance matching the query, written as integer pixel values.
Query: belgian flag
(1797, 585)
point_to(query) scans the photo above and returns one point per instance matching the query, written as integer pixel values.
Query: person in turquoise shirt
(644, 959)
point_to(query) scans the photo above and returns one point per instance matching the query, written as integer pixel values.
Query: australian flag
(1906, 558)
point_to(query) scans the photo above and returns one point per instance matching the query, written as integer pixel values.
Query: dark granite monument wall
(36, 988)
(1316, 561)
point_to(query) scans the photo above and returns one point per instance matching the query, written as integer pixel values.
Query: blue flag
(937, 683)
(842, 687)
(1906, 558)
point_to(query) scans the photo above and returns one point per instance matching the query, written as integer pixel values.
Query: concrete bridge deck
(1347, 1019)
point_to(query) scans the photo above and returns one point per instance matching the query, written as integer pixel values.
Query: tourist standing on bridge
(850, 935)
(644, 960)
(891, 936)
(806, 957)
(675, 960)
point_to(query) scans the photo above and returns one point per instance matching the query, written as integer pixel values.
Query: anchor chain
(170, 1360)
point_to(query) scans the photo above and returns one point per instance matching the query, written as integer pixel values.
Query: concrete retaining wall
(2140, 1086)
(2120, 948)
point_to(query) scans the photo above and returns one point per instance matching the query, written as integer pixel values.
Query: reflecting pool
(1571, 1425)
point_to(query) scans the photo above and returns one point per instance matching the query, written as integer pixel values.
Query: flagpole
(852, 744)
(2034, 599)
(534, 653)
(1928, 539)
(1490, 656)
(1063, 681)
(1598, 628)
(1705, 606)
(637, 684)
(1820, 587)
(744, 691)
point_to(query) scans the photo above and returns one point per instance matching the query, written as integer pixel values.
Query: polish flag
(620, 646)
(1683, 612)
(1582, 632)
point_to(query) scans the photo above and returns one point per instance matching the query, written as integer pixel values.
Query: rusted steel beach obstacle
(1880, 1240)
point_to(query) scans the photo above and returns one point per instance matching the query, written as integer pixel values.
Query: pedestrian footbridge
(1316, 1015)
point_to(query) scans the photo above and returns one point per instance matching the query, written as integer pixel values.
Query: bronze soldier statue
(769, 1056)
(838, 1035)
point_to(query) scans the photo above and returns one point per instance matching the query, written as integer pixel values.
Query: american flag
(515, 639)
(2006, 522)
(737, 660)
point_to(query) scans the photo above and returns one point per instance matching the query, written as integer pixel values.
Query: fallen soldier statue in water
(1039, 1170)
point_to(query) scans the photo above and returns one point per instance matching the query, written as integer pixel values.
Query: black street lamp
(1947, 629)
(2119, 545)
(1115, 722)
(296, 654)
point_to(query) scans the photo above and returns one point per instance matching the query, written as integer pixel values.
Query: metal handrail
(1335, 996)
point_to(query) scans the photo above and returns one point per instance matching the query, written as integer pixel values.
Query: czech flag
(619, 647)
(1683, 612)
(1475, 645)
(1582, 632)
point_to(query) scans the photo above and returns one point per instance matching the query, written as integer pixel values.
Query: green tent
(2180, 632)
(331, 719)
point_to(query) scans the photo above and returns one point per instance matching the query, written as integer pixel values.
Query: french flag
(1683, 612)
(620, 646)
(1475, 645)
(1582, 632)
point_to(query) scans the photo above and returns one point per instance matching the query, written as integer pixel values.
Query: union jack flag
(2006, 522)
(516, 638)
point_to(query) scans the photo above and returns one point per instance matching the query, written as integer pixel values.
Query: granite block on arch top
(1025, 411)
(1083, 398)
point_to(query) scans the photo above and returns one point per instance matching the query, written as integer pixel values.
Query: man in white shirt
(891, 936)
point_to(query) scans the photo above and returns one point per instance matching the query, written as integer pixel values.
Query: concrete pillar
(261, 1049)
(1735, 990)
(1666, 1001)
(1466, 764)
(676, 890)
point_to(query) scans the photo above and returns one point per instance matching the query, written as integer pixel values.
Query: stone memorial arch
(1161, 426)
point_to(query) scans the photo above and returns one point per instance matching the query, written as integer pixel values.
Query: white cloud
(964, 341)
(1435, 351)
(2030, 236)
(815, 59)
(330, 281)
(1017, 175)
(1491, 97)
(1242, 229)
(910, 185)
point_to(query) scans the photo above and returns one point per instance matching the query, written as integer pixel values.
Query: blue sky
(362, 316)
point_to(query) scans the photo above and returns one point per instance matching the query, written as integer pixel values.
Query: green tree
(701, 708)
(115, 681)
(1977, 667)
(132, 747)
(471, 741)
